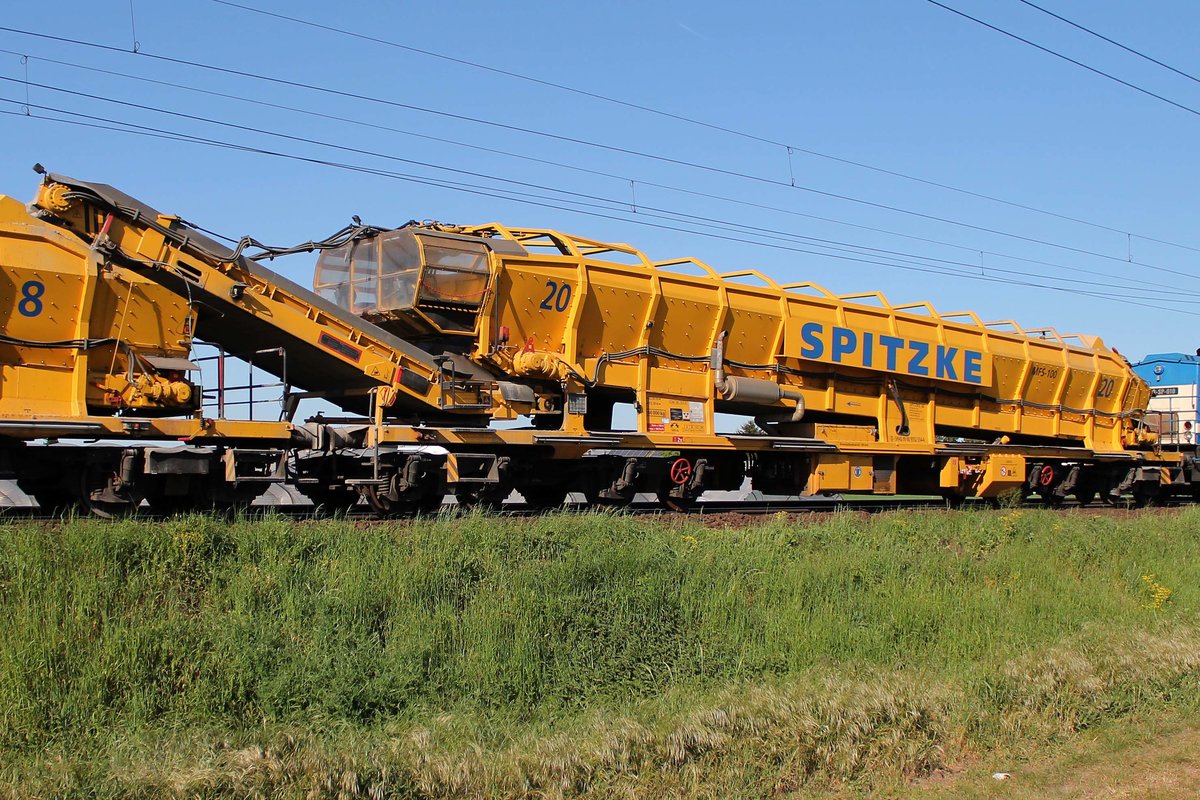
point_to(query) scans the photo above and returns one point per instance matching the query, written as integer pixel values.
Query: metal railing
(244, 395)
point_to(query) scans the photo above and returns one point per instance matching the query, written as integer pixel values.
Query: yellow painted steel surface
(71, 327)
(675, 339)
(603, 316)
(237, 303)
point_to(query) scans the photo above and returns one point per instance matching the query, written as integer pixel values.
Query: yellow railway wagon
(435, 332)
(689, 342)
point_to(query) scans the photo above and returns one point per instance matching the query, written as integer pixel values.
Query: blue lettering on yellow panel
(945, 362)
(813, 346)
(892, 344)
(844, 343)
(972, 366)
(916, 364)
(841, 345)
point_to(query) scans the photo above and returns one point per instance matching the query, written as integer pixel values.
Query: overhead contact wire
(587, 143)
(189, 138)
(1067, 58)
(789, 148)
(613, 204)
(585, 170)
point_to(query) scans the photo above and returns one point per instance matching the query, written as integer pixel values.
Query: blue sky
(901, 85)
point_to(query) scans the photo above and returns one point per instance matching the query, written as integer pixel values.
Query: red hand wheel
(1046, 476)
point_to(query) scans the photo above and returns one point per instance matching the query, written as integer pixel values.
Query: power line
(1126, 48)
(791, 236)
(190, 138)
(1067, 58)
(585, 142)
(677, 117)
(622, 178)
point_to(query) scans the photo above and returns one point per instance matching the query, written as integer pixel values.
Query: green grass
(569, 654)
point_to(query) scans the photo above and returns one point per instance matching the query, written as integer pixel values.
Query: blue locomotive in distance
(1174, 380)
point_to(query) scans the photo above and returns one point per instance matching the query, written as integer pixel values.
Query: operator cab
(408, 282)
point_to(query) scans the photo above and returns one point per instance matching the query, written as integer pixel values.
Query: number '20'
(557, 297)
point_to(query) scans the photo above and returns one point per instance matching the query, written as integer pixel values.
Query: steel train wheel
(680, 504)
(544, 498)
(331, 502)
(1145, 495)
(381, 504)
(97, 477)
(481, 499)
(53, 502)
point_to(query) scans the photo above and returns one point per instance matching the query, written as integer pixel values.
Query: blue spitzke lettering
(841, 345)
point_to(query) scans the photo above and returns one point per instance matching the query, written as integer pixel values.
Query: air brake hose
(902, 428)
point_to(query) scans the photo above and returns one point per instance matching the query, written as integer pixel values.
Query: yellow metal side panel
(1002, 473)
(143, 314)
(1080, 381)
(880, 340)
(949, 476)
(1009, 371)
(842, 473)
(832, 474)
(753, 324)
(686, 316)
(522, 291)
(839, 434)
(614, 311)
(676, 415)
(862, 474)
(41, 290)
(39, 297)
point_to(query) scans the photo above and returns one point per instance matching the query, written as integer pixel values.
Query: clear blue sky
(898, 84)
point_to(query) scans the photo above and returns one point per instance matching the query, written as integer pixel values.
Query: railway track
(14, 505)
(477, 360)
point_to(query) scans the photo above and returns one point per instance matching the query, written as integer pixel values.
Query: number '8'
(31, 298)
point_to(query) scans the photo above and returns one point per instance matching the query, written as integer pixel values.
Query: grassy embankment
(577, 654)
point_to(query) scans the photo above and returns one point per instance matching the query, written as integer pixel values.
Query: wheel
(543, 496)
(1144, 495)
(482, 499)
(379, 502)
(171, 505)
(680, 504)
(594, 500)
(329, 502)
(953, 500)
(97, 478)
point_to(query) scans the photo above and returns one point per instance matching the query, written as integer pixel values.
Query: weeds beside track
(576, 653)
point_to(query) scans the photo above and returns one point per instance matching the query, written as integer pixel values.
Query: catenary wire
(791, 236)
(1114, 42)
(1067, 58)
(687, 119)
(673, 216)
(584, 142)
(189, 138)
(585, 170)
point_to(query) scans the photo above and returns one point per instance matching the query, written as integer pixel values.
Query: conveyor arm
(244, 307)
